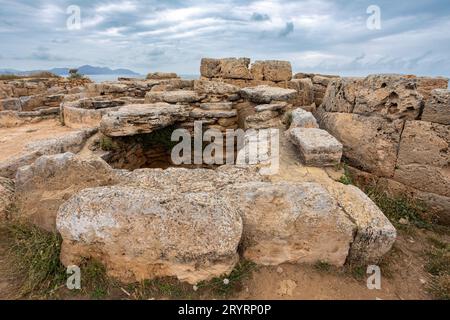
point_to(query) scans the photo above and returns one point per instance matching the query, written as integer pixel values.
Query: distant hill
(84, 70)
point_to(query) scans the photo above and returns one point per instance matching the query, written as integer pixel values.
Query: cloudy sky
(325, 36)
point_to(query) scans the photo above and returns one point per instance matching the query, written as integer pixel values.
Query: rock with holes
(142, 234)
(214, 87)
(47, 183)
(389, 96)
(141, 118)
(303, 119)
(317, 148)
(272, 70)
(341, 94)
(288, 222)
(6, 197)
(266, 94)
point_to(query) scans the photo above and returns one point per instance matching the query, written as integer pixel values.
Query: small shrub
(322, 266)
(346, 177)
(107, 144)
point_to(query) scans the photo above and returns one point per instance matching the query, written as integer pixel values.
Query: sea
(113, 77)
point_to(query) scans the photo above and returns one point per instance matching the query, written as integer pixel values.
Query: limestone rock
(235, 68)
(375, 234)
(47, 183)
(341, 94)
(143, 234)
(266, 94)
(424, 155)
(141, 118)
(389, 96)
(12, 104)
(210, 68)
(370, 143)
(316, 147)
(162, 75)
(305, 90)
(303, 119)
(201, 113)
(437, 108)
(6, 197)
(271, 107)
(215, 87)
(272, 70)
(216, 106)
(178, 96)
(289, 222)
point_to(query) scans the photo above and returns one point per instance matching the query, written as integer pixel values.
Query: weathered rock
(389, 96)
(142, 234)
(178, 96)
(47, 183)
(271, 107)
(235, 68)
(216, 106)
(201, 113)
(305, 91)
(266, 94)
(161, 75)
(375, 235)
(424, 155)
(437, 108)
(12, 104)
(272, 70)
(30, 103)
(292, 223)
(425, 85)
(6, 197)
(215, 87)
(141, 118)
(210, 68)
(303, 119)
(341, 94)
(316, 147)
(84, 118)
(370, 143)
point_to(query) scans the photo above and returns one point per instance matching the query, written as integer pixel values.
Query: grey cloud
(260, 16)
(289, 28)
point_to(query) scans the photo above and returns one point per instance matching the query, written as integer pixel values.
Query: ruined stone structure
(108, 185)
(395, 131)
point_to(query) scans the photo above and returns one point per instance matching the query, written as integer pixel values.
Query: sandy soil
(13, 140)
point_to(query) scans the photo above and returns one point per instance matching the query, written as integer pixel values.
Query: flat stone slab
(316, 147)
(271, 107)
(217, 106)
(267, 94)
(141, 118)
(178, 96)
(303, 119)
(200, 113)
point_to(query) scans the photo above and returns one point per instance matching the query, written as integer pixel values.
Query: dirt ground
(13, 140)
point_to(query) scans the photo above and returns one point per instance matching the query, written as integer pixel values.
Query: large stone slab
(316, 147)
(47, 183)
(341, 94)
(424, 157)
(267, 94)
(177, 96)
(370, 143)
(143, 234)
(437, 108)
(141, 118)
(272, 70)
(292, 223)
(228, 68)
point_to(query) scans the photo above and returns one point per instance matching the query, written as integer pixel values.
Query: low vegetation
(40, 74)
(438, 266)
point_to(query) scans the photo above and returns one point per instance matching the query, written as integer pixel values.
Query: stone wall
(395, 130)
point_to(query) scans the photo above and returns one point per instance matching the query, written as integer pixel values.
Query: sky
(321, 36)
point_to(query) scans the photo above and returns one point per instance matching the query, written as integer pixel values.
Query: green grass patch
(107, 144)
(323, 266)
(346, 177)
(34, 254)
(438, 265)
